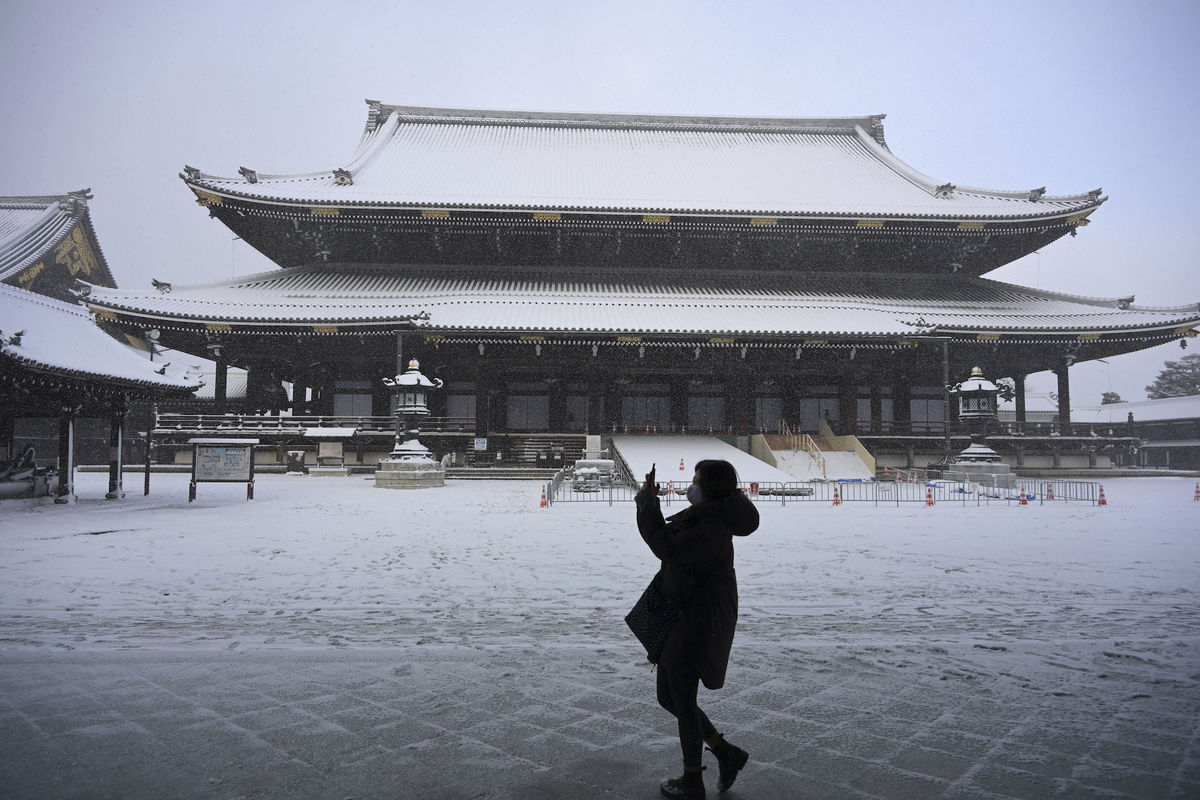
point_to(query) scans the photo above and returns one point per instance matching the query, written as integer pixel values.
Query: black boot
(730, 759)
(689, 785)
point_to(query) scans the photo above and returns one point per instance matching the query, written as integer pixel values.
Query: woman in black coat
(696, 548)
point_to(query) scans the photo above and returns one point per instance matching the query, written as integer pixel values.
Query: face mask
(694, 495)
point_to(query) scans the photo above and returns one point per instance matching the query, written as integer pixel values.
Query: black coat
(696, 548)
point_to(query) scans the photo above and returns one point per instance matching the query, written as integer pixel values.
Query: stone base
(411, 474)
(328, 472)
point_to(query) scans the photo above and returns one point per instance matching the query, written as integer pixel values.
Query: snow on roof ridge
(379, 112)
(45, 300)
(41, 200)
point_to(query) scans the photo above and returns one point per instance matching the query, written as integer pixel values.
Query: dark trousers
(677, 688)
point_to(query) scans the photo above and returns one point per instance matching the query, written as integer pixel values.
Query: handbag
(652, 617)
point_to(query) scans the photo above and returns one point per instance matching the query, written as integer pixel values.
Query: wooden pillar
(557, 404)
(1019, 390)
(221, 384)
(946, 401)
(793, 401)
(499, 403)
(8, 420)
(298, 392)
(66, 457)
(116, 453)
(902, 404)
(612, 406)
(876, 408)
(151, 421)
(738, 403)
(595, 410)
(1064, 398)
(679, 404)
(847, 390)
(483, 395)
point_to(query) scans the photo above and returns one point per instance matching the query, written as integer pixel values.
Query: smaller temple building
(60, 371)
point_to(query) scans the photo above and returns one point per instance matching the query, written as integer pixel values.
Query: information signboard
(222, 461)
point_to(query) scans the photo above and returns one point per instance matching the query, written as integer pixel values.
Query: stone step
(500, 473)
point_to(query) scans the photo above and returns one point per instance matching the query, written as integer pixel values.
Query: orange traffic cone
(1024, 501)
(1196, 496)
(681, 469)
(1049, 491)
(544, 504)
(928, 495)
(837, 496)
(1102, 501)
(885, 474)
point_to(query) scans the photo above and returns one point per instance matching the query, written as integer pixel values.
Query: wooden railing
(938, 428)
(251, 423)
(802, 441)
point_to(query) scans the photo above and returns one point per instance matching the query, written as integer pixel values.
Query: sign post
(222, 461)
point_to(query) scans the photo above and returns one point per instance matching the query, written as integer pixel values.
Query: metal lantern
(976, 397)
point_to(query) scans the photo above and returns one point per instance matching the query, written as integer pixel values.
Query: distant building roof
(811, 304)
(412, 156)
(1187, 407)
(1045, 404)
(47, 241)
(43, 335)
(235, 382)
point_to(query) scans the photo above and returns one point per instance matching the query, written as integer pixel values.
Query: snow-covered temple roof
(417, 157)
(1045, 405)
(47, 241)
(44, 335)
(811, 304)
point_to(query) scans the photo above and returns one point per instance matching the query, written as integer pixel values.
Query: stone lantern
(976, 408)
(410, 465)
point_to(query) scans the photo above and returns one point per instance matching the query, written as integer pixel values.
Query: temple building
(58, 372)
(571, 273)
(67, 384)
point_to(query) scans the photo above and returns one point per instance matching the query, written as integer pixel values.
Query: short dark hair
(716, 478)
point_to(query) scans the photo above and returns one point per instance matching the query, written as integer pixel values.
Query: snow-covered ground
(1085, 616)
(481, 559)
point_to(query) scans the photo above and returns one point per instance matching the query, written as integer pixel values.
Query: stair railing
(802, 441)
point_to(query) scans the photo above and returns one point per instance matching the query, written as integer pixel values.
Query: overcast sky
(118, 96)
